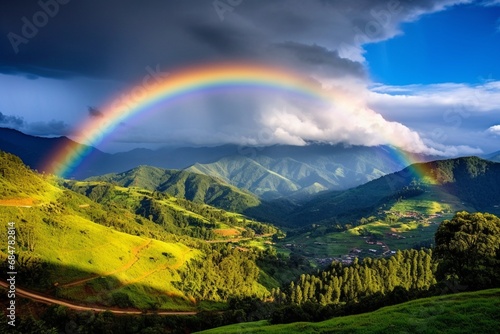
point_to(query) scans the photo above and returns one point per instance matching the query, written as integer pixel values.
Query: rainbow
(150, 95)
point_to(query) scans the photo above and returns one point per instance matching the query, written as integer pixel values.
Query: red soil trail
(53, 301)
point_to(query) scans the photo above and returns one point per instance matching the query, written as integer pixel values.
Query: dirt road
(53, 301)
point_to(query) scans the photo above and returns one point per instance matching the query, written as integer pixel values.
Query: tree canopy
(468, 249)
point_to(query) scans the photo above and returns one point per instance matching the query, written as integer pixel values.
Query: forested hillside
(193, 187)
(125, 247)
(471, 182)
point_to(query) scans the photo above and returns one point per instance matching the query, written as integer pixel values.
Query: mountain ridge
(283, 169)
(472, 180)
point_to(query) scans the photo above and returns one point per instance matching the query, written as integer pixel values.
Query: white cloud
(490, 3)
(350, 123)
(455, 150)
(495, 130)
(476, 98)
(445, 115)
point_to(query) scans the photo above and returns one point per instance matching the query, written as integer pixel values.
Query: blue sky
(427, 78)
(461, 44)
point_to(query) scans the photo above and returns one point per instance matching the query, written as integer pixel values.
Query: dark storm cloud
(11, 121)
(319, 59)
(117, 39)
(51, 128)
(117, 42)
(94, 112)
(224, 43)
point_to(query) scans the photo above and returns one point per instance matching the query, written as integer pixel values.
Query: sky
(420, 74)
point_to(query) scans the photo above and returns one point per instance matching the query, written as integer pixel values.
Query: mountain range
(468, 183)
(268, 172)
(249, 176)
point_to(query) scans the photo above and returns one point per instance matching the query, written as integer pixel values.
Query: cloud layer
(113, 42)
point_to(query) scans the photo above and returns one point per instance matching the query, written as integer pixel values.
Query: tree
(468, 250)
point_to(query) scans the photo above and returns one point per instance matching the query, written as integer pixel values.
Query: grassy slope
(77, 248)
(472, 312)
(90, 262)
(130, 197)
(107, 260)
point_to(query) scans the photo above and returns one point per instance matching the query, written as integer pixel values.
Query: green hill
(108, 245)
(175, 215)
(59, 244)
(471, 312)
(455, 184)
(197, 188)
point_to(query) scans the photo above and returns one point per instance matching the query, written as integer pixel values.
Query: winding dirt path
(53, 301)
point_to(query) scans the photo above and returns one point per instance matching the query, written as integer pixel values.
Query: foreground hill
(110, 247)
(60, 246)
(463, 183)
(471, 312)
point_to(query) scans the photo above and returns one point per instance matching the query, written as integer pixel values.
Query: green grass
(58, 230)
(81, 249)
(432, 201)
(471, 312)
(319, 245)
(101, 252)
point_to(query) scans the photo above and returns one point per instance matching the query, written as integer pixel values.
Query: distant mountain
(495, 156)
(248, 174)
(284, 170)
(471, 182)
(34, 151)
(269, 172)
